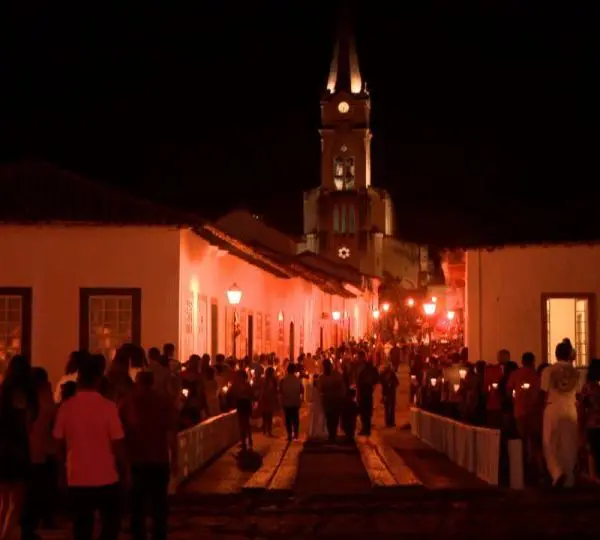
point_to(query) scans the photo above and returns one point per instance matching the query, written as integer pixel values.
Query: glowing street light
(410, 302)
(451, 315)
(429, 308)
(386, 307)
(434, 299)
(234, 297)
(336, 315)
(376, 314)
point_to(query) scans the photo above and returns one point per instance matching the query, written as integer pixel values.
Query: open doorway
(567, 316)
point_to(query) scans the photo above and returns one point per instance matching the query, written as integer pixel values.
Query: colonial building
(85, 266)
(346, 217)
(530, 298)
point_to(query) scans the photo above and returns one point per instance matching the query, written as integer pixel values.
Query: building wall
(57, 261)
(207, 273)
(402, 260)
(504, 295)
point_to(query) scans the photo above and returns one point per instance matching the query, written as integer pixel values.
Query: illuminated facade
(108, 269)
(530, 298)
(346, 218)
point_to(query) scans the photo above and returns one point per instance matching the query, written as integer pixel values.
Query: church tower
(345, 217)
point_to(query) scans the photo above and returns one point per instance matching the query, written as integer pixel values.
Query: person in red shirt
(493, 375)
(524, 385)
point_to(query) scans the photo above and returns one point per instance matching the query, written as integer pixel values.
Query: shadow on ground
(249, 460)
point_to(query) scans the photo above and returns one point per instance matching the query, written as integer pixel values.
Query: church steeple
(344, 73)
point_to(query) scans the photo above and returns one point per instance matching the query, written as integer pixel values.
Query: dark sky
(215, 104)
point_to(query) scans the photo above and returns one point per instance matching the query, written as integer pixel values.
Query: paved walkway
(391, 458)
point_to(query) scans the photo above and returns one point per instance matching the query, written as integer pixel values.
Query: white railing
(202, 442)
(474, 448)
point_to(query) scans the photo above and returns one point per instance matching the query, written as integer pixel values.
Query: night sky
(214, 105)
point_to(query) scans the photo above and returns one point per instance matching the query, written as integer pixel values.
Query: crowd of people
(549, 406)
(110, 429)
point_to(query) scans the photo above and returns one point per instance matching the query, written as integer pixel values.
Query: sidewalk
(432, 468)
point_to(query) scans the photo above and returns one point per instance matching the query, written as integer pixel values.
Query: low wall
(474, 448)
(202, 442)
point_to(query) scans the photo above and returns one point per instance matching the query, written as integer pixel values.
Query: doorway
(568, 316)
(214, 330)
(292, 347)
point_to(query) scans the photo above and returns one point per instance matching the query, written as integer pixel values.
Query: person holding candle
(589, 416)
(492, 377)
(451, 394)
(525, 384)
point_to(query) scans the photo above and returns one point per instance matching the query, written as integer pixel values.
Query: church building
(346, 218)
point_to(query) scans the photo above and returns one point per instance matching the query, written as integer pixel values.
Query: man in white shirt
(89, 428)
(559, 385)
(292, 392)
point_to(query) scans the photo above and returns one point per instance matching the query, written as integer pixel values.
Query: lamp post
(429, 310)
(234, 297)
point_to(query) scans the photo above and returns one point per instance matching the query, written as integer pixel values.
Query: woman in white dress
(317, 428)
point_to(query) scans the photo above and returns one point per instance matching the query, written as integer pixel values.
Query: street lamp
(234, 297)
(386, 307)
(336, 315)
(429, 310)
(451, 315)
(410, 302)
(376, 314)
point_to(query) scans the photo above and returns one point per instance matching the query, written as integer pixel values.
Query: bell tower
(345, 116)
(346, 218)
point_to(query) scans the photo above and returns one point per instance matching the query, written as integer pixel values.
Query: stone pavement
(391, 458)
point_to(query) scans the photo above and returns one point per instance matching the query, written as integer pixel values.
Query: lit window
(111, 318)
(13, 324)
(344, 173)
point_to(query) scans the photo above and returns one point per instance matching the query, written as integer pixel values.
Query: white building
(530, 298)
(86, 266)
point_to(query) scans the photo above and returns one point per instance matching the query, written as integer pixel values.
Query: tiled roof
(277, 264)
(37, 192)
(237, 248)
